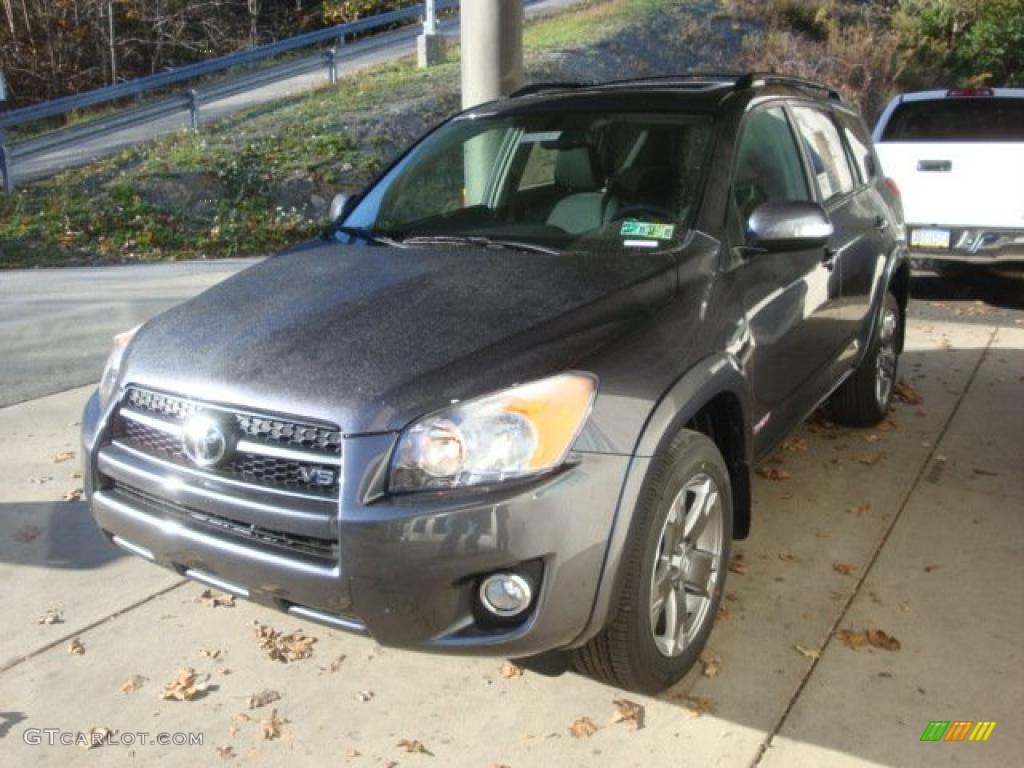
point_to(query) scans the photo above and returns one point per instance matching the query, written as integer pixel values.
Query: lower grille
(306, 546)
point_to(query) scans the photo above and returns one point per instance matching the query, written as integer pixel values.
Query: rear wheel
(674, 572)
(863, 399)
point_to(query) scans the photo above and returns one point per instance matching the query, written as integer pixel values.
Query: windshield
(558, 180)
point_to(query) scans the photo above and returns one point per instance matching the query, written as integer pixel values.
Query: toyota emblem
(204, 441)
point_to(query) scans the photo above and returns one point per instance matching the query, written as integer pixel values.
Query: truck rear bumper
(972, 245)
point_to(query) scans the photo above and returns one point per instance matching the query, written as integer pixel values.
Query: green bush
(343, 11)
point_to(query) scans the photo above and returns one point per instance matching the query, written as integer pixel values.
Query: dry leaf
(737, 566)
(75, 494)
(76, 647)
(63, 456)
(210, 653)
(272, 726)
(880, 639)
(985, 472)
(852, 639)
(823, 534)
(869, 459)
(226, 752)
(582, 727)
(844, 568)
(94, 737)
(795, 444)
(773, 473)
(810, 653)
(930, 568)
(788, 557)
(281, 647)
(132, 684)
(350, 753)
(413, 746)
(26, 534)
(509, 670)
(710, 665)
(364, 696)
(52, 616)
(722, 614)
(215, 599)
(264, 697)
(187, 686)
(863, 508)
(698, 705)
(905, 392)
(628, 712)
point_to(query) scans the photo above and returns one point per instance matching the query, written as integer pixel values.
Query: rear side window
(860, 147)
(768, 167)
(957, 120)
(825, 151)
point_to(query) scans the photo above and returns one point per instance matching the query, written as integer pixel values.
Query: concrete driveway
(914, 529)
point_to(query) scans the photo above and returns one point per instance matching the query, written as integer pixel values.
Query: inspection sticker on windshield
(647, 229)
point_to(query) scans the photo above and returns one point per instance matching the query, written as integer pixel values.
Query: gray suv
(509, 403)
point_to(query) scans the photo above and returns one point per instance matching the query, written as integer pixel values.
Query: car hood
(370, 338)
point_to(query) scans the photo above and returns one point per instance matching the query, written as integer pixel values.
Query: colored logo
(958, 730)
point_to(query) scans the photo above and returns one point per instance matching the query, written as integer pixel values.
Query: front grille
(308, 475)
(308, 546)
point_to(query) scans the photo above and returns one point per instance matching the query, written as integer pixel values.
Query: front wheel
(674, 572)
(863, 399)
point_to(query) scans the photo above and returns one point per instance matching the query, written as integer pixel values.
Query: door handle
(828, 259)
(881, 222)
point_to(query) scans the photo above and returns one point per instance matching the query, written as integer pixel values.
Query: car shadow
(8, 720)
(971, 285)
(53, 534)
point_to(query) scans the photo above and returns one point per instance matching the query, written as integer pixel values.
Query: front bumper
(402, 569)
(973, 245)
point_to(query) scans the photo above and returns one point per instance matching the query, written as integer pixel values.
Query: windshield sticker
(647, 229)
(533, 138)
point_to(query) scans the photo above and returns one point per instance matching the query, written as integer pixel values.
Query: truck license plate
(929, 238)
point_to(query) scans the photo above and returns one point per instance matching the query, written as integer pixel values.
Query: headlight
(517, 432)
(113, 368)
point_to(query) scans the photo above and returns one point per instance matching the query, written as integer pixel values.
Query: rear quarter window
(984, 118)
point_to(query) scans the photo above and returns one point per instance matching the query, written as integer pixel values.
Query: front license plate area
(929, 238)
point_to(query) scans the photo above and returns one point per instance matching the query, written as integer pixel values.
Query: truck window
(825, 150)
(957, 120)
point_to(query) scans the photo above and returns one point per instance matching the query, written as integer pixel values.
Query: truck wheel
(863, 399)
(672, 572)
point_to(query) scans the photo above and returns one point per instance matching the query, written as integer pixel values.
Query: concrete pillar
(492, 49)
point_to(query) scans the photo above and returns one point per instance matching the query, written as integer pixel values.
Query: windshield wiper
(370, 236)
(480, 240)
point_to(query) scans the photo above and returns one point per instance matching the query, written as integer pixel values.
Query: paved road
(359, 55)
(925, 516)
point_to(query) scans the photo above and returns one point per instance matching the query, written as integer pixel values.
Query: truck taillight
(893, 187)
(969, 92)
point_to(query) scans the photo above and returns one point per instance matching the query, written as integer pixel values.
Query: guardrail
(191, 100)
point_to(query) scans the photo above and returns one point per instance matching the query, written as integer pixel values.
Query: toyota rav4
(509, 403)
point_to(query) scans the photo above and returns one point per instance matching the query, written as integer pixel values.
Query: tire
(863, 399)
(634, 651)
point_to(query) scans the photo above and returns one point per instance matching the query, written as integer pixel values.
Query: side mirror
(340, 206)
(788, 226)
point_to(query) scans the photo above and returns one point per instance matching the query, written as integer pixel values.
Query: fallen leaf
(844, 568)
(27, 533)
(698, 705)
(76, 647)
(284, 648)
(869, 459)
(272, 726)
(350, 753)
(364, 696)
(216, 599)
(413, 746)
(628, 712)
(510, 671)
(823, 534)
(187, 686)
(582, 727)
(851, 639)
(226, 752)
(795, 444)
(737, 566)
(863, 508)
(94, 737)
(63, 456)
(132, 684)
(722, 614)
(336, 664)
(880, 639)
(905, 392)
(930, 568)
(889, 425)
(75, 494)
(810, 653)
(264, 697)
(788, 557)
(210, 653)
(773, 473)
(52, 616)
(871, 438)
(985, 472)
(710, 665)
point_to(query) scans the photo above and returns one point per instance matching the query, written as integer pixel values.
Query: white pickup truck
(958, 158)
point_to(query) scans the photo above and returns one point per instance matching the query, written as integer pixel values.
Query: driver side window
(768, 166)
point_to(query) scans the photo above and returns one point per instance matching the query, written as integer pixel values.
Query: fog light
(505, 594)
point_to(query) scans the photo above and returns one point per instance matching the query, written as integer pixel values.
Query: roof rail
(754, 79)
(532, 88)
